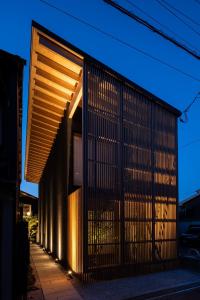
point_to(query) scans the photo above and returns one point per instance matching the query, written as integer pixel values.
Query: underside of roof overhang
(55, 80)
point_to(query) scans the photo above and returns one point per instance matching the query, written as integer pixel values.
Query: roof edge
(190, 198)
(151, 96)
(13, 56)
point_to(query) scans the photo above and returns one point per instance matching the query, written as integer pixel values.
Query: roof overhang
(55, 80)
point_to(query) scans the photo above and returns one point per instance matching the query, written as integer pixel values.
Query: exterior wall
(190, 209)
(53, 191)
(74, 229)
(185, 224)
(130, 169)
(27, 199)
(56, 231)
(189, 213)
(129, 192)
(11, 76)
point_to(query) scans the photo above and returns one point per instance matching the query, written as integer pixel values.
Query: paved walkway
(56, 286)
(54, 283)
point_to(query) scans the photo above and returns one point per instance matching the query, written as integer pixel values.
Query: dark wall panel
(53, 196)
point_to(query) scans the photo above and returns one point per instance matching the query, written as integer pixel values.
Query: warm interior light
(69, 272)
(56, 260)
(74, 230)
(28, 213)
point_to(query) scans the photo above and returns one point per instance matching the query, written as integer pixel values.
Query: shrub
(32, 227)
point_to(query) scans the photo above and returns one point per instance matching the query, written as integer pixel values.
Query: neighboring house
(29, 204)
(104, 153)
(11, 78)
(189, 212)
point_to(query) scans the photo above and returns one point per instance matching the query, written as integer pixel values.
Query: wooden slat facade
(131, 177)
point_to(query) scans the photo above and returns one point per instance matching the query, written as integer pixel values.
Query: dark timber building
(189, 212)
(11, 78)
(104, 152)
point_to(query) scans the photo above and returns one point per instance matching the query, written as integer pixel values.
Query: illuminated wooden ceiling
(55, 80)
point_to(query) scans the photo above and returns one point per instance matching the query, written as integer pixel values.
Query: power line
(175, 15)
(181, 13)
(191, 143)
(121, 41)
(162, 25)
(151, 27)
(193, 101)
(184, 116)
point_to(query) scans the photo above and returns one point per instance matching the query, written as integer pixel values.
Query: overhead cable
(191, 143)
(184, 116)
(179, 18)
(121, 41)
(181, 13)
(152, 28)
(161, 24)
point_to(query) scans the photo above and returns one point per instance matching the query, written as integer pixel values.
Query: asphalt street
(188, 294)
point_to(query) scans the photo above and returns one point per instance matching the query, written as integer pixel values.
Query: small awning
(55, 80)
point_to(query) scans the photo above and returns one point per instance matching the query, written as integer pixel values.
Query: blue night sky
(170, 85)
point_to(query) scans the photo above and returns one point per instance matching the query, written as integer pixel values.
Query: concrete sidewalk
(54, 283)
(56, 286)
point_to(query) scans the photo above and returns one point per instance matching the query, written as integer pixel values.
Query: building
(104, 153)
(29, 204)
(11, 78)
(189, 212)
